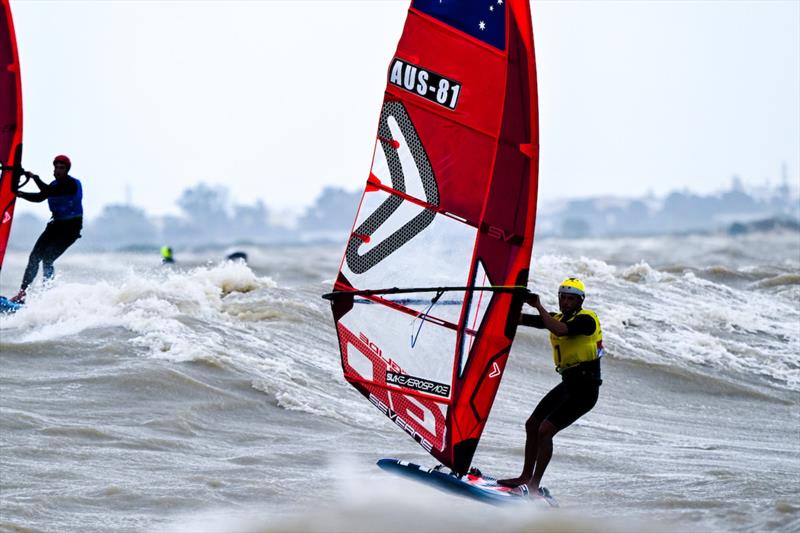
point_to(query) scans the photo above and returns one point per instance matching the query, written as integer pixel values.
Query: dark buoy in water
(237, 256)
(166, 255)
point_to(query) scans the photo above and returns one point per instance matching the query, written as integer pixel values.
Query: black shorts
(567, 402)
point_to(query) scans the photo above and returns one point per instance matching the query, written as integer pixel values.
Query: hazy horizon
(278, 99)
(209, 217)
(41, 211)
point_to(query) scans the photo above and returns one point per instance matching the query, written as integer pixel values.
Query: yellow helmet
(572, 286)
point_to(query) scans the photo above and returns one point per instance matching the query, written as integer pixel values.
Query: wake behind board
(7, 306)
(473, 485)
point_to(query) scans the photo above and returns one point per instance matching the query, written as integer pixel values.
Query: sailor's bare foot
(513, 482)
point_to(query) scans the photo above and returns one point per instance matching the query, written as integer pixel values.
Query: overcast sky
(276, 99)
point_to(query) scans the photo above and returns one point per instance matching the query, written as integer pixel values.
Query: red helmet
(63, 159)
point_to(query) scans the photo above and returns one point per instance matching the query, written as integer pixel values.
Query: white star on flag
(499, 2)
(482, 25)
(491, 8)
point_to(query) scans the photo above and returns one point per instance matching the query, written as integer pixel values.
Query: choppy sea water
(208, 396)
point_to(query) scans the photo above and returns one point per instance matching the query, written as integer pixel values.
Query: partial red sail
(10, 123)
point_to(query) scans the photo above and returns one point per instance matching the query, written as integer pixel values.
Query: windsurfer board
(472, 485)
(7, 306)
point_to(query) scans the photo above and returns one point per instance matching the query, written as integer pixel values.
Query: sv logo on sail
(427, 84)
(502, 235)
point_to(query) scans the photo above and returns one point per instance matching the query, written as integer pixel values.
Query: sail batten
(448, 209)
(421, 203)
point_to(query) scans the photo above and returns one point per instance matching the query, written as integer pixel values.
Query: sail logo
(418, 384)
(402, 424)
(424, 83)
(502, 235)
(371, 345)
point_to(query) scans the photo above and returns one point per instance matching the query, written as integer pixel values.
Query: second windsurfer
(65, 198)
(577, 348)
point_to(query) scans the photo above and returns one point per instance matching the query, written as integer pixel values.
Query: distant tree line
(678, 212)
(208, 217)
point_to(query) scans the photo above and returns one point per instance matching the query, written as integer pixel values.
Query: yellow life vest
(571, 351)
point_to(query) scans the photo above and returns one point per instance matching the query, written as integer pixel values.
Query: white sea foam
(153, 306)
(683, 320)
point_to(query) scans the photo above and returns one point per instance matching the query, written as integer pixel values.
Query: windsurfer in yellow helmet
(577, 348)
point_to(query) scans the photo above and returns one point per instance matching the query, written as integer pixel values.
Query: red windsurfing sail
(446, 224)
(10, 123)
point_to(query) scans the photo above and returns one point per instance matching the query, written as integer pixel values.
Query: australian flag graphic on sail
(483, 19)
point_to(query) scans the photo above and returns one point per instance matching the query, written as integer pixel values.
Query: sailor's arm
(554, 326)
(534, 321)
(544, 320)
(35, 177)
(47, 190)
(32, 196)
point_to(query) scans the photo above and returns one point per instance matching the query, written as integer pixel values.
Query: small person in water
(237, 256)
(166, 255)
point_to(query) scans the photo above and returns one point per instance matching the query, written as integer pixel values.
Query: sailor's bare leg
(531, 453)
(544, 452)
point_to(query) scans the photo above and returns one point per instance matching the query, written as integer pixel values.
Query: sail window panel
(380, 166)
(411, 246)
(360, 362)
(477, 304)
(410, 180)
(389, 332)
